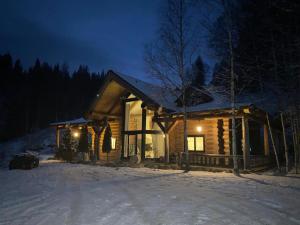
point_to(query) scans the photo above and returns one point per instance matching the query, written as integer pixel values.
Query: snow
(41, 141)
(77, 121)
(166, 99)
(61, 193)
(156, 93)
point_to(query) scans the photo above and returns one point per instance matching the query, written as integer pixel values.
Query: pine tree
(198, 71)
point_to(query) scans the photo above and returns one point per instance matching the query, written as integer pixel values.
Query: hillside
(42, 141)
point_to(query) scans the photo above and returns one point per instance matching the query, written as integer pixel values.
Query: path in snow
(60, 193)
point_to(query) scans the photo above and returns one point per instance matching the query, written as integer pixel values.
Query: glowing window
(113, 143)
(191, 143)
(196, 143)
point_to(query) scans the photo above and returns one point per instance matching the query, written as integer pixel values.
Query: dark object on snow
(25, 161)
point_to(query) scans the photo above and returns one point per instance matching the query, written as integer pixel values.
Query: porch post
(266, 141)
(96, 144)
(167, 150)
(57, 137)
(123, 106)
(143, 134)
(246, 142)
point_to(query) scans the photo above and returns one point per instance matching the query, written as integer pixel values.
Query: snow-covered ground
(41, 141)
(60, 193)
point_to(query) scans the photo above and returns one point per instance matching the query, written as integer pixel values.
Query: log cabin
(147, 123)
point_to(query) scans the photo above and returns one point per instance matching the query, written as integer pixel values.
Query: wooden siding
(209, 130)
(91, 131)
(116, 133)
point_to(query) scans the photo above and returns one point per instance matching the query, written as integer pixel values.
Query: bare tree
(229, 29)
(170, 57)
(223, 41)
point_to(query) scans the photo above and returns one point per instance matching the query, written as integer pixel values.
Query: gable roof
(158, 96)
(167, 100)
(146, 91)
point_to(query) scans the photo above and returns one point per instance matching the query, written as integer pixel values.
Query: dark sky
(102, 34)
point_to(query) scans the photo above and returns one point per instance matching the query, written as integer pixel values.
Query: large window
(195, 143)
(154, 138)
(133, 115)
(155, 146)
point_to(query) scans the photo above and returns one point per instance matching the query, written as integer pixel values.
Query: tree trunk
(273, 143)
(232, 85)
(294, 134)
(232, 91)
(285, 145)
(186, 152)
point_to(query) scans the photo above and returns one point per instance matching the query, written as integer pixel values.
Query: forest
(31, 99)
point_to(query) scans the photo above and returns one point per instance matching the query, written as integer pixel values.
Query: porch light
(199, 128)
(75, 134)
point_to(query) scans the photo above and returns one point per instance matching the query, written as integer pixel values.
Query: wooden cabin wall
(115, 127)
(209, 130)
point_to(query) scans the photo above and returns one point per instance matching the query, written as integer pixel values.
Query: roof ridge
(137, 79)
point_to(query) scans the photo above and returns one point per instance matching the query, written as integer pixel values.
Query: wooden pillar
(98, 131)
(246, 142)
(167, 148)
(96, 145)
(123, 116)
(266, 141)
(57, 137)
(144, 114)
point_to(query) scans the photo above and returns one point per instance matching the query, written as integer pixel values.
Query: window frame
(194, 137)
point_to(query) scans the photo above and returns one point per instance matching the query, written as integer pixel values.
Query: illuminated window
(113, 143)
(195, 143)
(191, 143)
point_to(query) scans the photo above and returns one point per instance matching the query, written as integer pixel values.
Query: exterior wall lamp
(75, 134)
(199, 129)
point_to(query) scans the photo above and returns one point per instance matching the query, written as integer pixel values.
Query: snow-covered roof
(155, 92)
(78, 121)
(168, 100)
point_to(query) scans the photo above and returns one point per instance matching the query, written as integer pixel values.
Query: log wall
(115, 127)
(209, 130)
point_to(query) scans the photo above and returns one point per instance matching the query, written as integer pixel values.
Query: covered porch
(209, 138)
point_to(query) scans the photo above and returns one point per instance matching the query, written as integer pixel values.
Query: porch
(222, 161)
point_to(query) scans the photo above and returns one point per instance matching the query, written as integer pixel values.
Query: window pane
(199, 143)
(113, 143)
(133, 116)
(191, 143)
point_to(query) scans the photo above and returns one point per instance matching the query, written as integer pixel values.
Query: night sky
(106, 34)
